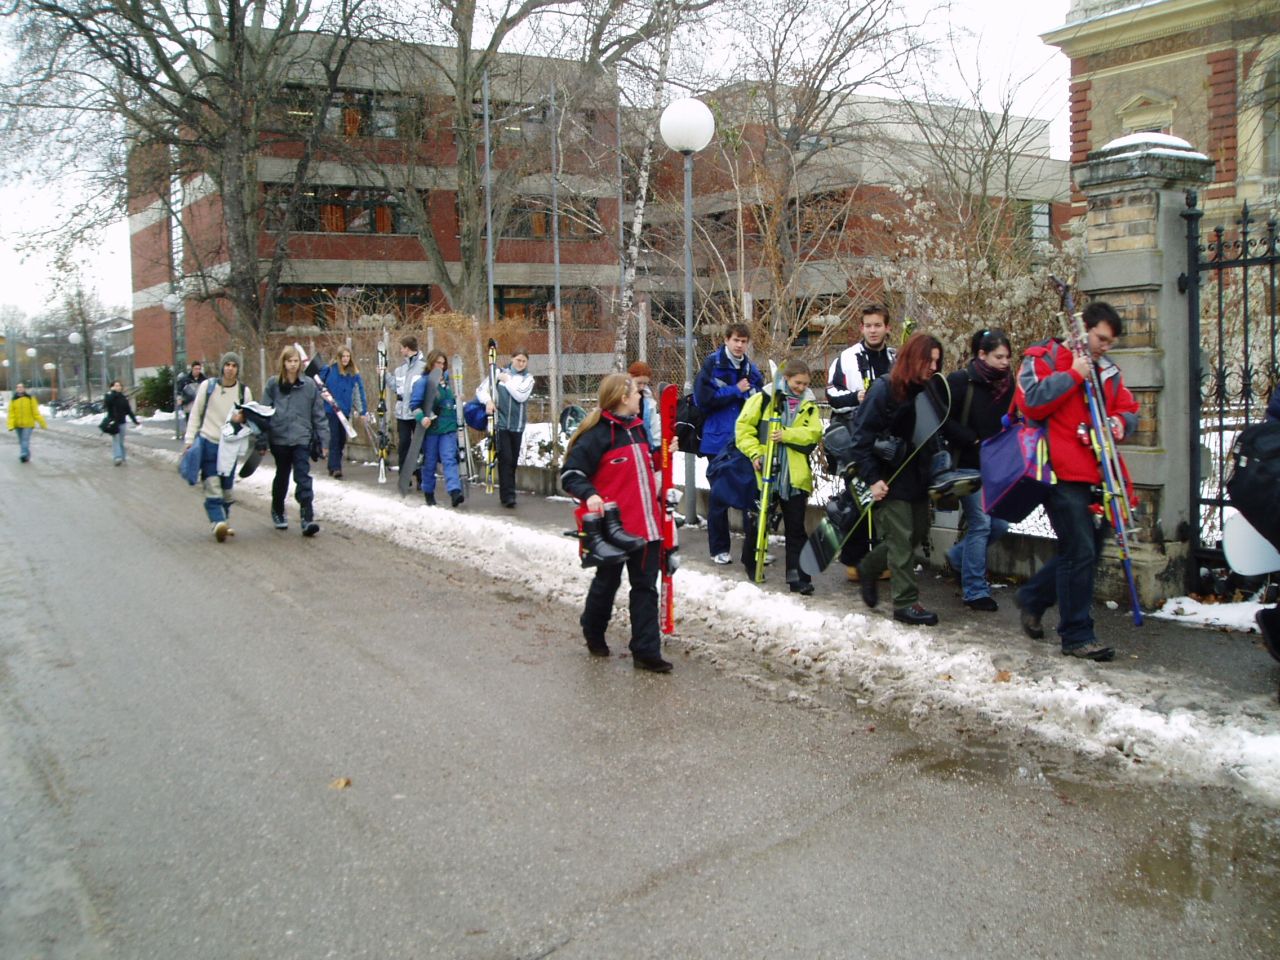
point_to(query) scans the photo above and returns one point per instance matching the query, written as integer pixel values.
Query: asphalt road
(281, 748)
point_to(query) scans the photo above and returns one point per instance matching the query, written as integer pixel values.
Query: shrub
(156, 392)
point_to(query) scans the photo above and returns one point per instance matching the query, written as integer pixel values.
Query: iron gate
(1230, 285)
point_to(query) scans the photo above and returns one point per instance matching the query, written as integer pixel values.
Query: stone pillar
(1135, 243)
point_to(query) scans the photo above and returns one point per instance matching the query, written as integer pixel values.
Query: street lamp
(35, 374)
(686, 127)
(173, 303)
(50, 371)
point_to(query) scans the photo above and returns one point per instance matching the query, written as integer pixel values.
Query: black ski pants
(404, 437)
(793, 509)
(298, 460)
(508, 456)
(642, 572)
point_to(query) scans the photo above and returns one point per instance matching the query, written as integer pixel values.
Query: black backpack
(689, 421)
(1254, 477)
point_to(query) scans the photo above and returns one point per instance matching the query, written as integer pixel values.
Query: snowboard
(852, 510)
(1249, 553)
(419, 433)
(256, 453)
(464, 443)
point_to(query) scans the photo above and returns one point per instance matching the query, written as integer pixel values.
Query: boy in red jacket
(1050, 389)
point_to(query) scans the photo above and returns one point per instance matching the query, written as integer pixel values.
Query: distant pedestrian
(216, 405)
(608, 461)
(515, 386)
(24, 414)
(188, 387)
(295, 437)
(118, 409)
(642, 375)
(412, 367)
(797, 434)
(346, 386)
(440, 444)
(980, 396)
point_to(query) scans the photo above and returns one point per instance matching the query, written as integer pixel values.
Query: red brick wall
(1222, 105)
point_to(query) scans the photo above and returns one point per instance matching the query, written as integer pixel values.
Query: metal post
(177, 400)
(690, 456)
(488, 199)
(554, 330)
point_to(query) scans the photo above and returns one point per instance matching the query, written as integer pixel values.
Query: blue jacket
(344, 387)
(716, 393)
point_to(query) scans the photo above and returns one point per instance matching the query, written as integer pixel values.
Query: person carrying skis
(346, 386)
(118, 410)
(515, 386)
(798, 432)
(1051, 389)
(440, 444)
(886, 458)
(413, 367)
(980, 395)
(856, 368)
(24, 414)
(215, 405)
(295, 433)
(608, 460)
(724, 382)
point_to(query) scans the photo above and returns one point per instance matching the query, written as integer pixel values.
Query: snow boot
(599, 552)
(430, 498)
(456, 498)
(278, 521)
(614, 532)
(309, 526)
(220, 531)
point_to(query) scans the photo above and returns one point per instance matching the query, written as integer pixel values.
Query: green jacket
(798, 440)
(445, 410)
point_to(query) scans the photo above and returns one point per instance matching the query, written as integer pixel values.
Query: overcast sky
(1004, 40)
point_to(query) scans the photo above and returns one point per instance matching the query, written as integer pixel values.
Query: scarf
(1000, 381)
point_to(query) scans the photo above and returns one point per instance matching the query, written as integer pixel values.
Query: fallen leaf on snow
(1003, 676)
(340, 784)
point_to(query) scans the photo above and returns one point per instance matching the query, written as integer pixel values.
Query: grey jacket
(299, 413)
(403, 380)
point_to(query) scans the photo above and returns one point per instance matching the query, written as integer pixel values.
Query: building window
(1271, 119)
(530, 219)
(337, 210)
(355, 113)
(579, 309)
(342, 306)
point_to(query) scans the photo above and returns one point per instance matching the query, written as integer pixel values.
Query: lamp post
(686, 127)
(173, 303)
(75, 340)
(51, 374)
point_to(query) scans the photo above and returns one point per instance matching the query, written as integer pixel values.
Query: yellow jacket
(25, 412)
(798, 440)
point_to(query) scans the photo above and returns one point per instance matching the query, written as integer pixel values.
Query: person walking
(216, 404)
(440, 443)
(188, 387)
(346, 386)
(297, 426)
(857, 367)
(412, 367)
(797, 434)
(1051, 388)
(884, 447)
(24, 414)
(515, 386)
(980, 396)
(608, 461)
(724, 382)
(118, 409)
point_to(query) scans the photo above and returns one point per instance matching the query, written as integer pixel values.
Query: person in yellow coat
(797, 434)
(24, 414)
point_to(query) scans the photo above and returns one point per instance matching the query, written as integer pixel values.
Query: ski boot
(614, 532)
(597, 550)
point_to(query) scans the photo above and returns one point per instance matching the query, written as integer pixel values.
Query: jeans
(1067, 579)
(298, 460)
(337, 441)
(24, 442)
(642, 572)
(968, 556)
(441, 448)
(217, 489)
(508, 455)
(117, 444)
(718, 524)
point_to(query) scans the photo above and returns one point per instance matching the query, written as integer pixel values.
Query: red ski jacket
(1049, 391)
(613, 459)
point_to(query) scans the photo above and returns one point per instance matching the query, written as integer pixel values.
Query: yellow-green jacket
(25, 412)
(798, 440)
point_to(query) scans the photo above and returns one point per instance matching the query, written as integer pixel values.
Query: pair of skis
(491, 427)
(381, 440)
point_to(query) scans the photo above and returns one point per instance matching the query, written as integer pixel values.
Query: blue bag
(733, 479)
(474, 413)
(189, 465)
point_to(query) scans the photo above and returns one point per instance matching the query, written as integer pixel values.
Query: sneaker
(456, 498)
(804, 589)
(722, 559)
(278, 520)
(916, 615)
(869, 588)
(220, 530)
(1090, 651)
(1031, 624)
(337, 474)
(652, 664)
(309, 526)
(985, 604)
(767, 560)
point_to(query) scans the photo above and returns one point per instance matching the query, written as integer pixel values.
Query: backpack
(213, 385)
(690, 419)
(1254, 475)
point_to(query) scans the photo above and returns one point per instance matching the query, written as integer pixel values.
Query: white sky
(1004, 40)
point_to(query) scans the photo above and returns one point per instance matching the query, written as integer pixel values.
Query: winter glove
(317, 448)
(419, 415)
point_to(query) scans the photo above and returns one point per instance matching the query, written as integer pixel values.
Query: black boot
(309, 526)
(456, 498)
(430, 498)
(614, 532)
(599, 552)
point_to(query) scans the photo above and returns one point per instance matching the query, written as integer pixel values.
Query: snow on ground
(1232, 616)
(1065, 703)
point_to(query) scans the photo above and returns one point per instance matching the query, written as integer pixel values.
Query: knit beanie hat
(230, 357)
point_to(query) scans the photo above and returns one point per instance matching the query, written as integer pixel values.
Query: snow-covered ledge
(1144, 156)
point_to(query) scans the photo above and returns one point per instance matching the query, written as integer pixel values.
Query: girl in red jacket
(609, 460)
